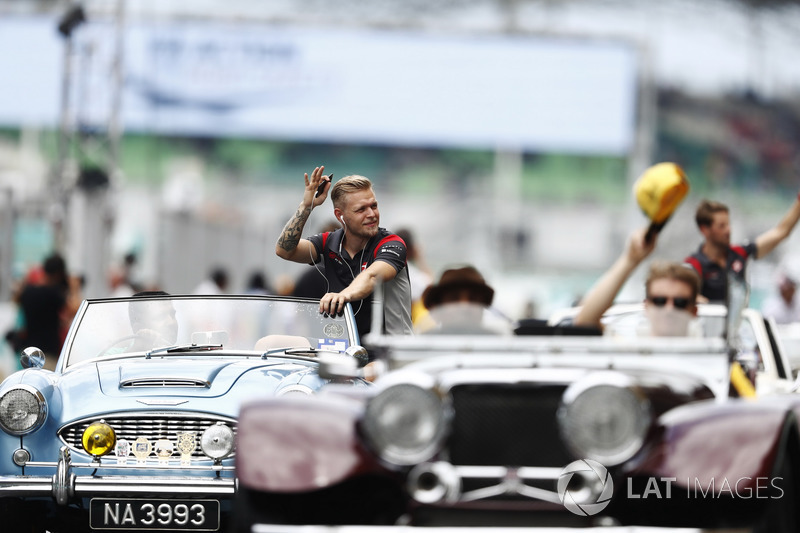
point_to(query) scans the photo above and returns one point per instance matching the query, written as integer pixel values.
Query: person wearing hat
(458, 304)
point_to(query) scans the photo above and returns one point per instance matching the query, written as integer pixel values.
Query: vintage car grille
(153, 426)
(507, 425)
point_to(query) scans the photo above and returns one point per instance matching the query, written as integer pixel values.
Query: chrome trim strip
(132, 465)
(85, 486)
(65, 484)
(525, 472)
(165, 382)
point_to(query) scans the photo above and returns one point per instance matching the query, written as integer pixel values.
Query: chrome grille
(152, 425)
(164, 382)
(507, 424)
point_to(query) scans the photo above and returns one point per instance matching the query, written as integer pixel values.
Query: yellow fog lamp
(99, 439)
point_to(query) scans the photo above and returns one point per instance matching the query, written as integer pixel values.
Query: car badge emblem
(186, 445)
(333, 330)
(122, 449)
(163, 449)
(142, 449)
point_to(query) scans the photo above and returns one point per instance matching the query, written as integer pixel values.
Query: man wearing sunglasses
(671, 290)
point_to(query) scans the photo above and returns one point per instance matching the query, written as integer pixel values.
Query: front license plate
(154, 515)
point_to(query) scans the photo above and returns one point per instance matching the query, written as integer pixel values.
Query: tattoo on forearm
(293, 229)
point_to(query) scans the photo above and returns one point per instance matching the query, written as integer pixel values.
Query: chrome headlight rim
(626, 391)
(41, 414)
(388, 449)
(207, 447)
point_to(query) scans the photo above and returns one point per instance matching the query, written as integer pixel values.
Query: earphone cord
(327, 282)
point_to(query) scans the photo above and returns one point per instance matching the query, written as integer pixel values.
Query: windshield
(258, 324)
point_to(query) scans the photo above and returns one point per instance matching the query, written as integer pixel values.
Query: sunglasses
(677, 303)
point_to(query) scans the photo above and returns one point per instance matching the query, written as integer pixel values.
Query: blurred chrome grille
(152, 425)
(506, 424)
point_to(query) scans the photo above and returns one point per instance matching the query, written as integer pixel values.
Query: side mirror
(32, 357)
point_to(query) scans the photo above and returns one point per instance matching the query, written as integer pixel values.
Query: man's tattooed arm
(290, 236)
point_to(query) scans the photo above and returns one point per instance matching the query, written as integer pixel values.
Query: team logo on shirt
(391, 249)
(737, 266)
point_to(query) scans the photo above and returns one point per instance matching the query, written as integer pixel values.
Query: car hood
(187, 377)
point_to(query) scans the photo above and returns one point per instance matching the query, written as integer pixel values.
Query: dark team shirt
(341, 269)
(714, 277)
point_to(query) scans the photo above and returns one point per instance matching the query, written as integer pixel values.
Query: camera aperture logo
(585, 487)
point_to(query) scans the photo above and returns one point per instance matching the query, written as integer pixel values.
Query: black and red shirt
(714, 277)
(341, 270)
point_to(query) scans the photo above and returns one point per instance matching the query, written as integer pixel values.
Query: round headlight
(405, 424)
(22, 410)
(99, 439)
(606, 422)
(217, 441)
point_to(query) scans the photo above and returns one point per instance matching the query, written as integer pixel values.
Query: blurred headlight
(405, 424)
(217, 441)
(99, 439)
(604, 419)
(22, 410)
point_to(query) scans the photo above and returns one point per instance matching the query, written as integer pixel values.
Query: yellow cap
(660, 189)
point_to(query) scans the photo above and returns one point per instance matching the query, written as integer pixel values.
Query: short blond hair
(347, 185)
(675, 271)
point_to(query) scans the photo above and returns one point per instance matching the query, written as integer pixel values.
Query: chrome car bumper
(65, 484)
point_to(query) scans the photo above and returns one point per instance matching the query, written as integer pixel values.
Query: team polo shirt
(341, 270)
(714, 277)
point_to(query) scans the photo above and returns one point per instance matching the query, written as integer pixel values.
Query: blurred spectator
(257, 284)
(418, 272)
(46, 309)
(216, 283)
(120, 279)
(783, 307)
(284, 285)
(461, 303)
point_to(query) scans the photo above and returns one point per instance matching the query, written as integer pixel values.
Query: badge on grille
(186, 445)
(142, 449)
(122, 450)
(333, 330)
(163, 449)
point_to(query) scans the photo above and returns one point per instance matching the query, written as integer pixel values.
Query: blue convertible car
(135, 429)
